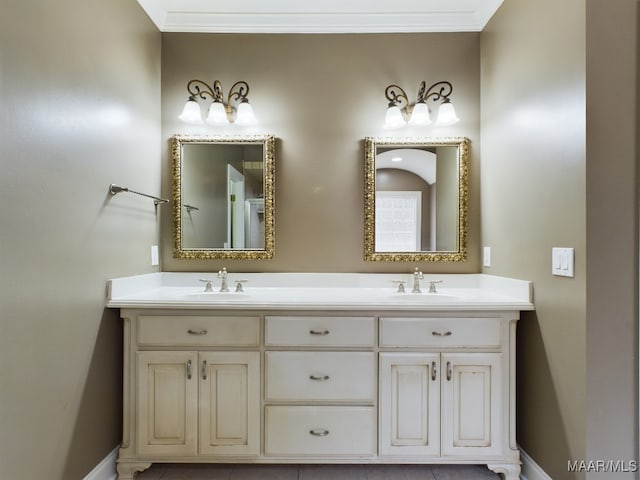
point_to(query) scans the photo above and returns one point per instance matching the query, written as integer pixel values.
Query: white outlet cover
(486, 257)
(154, 255)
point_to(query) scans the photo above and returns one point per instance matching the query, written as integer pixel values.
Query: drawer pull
(449, 373)
(434, 373)
(188, 369)
(319, 433)
(204, 369)
(319, 379)
(202, 331)
(319, 332)
(441, 334)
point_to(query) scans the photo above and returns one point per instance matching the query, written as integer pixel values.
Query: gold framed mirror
(416, 194)
(223, 197)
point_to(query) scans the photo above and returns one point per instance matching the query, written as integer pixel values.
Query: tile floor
(316, 472)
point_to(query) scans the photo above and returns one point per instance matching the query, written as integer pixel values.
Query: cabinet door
(167, 403)
(471, 404)
(409, 404)
(230, 403)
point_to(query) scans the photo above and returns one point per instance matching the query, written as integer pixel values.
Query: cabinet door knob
(318, 332)
(319, 433)
(204, 369)
(324, 378)
(434, 372)
(188, 369)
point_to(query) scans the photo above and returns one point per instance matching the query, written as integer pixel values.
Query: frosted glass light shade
(446, 115)
(191, 113)
(393, 118)
(217, 114)
(245, 115)
(420, 115)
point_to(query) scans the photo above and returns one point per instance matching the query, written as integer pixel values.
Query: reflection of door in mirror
(218, 179)
(398, 221)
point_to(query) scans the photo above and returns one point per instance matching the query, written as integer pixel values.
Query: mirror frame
(268, 143)
(371, 144)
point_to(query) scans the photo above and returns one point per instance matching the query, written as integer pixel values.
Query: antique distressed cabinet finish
(302, 386)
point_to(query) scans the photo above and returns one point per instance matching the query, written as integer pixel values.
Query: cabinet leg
(130, 470)
(509, 471)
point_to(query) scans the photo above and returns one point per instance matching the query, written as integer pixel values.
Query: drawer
(335, 431)
(320, 376)
(196, 331)
(320, 331)
(440, 332)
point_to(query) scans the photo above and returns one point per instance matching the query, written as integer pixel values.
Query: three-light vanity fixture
(401, 111)
(236, 109)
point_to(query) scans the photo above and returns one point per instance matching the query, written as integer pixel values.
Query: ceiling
(326, 16)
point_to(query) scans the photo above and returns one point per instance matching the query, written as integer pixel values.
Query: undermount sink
(213, 296)
(421, 297)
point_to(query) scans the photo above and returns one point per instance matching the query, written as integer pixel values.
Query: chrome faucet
(222, 275)
(432, 286)
(417, 276)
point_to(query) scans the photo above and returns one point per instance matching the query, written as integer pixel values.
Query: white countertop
(343, 291)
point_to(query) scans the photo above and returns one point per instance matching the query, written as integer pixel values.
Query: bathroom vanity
(319, 368)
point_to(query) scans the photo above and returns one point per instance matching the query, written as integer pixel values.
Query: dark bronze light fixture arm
(198, 88)
(439, 91)
(396, 96)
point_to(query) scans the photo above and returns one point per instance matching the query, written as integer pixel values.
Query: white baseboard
(106, 469)
(530, 469)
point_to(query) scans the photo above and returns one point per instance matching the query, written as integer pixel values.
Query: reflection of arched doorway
(405, 200)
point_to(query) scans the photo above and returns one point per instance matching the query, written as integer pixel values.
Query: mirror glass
(223, 193)
(416, 199)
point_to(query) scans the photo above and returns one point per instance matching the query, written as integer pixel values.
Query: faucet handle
(432, 285)
(207, 287)
(239, 285)
(400, 285)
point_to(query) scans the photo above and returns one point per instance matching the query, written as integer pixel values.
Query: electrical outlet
(154, 256)
(486, 257)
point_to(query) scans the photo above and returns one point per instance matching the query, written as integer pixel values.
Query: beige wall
(80, 94)
(533, 198)
(612, 226)
(549, 178)
(321, 95)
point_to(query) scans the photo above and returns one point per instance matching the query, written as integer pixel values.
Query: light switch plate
(154, 255)
(562, 262)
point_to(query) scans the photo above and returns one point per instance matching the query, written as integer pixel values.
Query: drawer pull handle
(319, 433)
(319, 379)
(318, 332)
(449, 373)
(204, 369)
(434, 372)
(188, 369)
(202, 331)
(441, 334)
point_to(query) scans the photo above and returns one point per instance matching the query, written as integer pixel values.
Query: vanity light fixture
(419, 114)
(236, 109)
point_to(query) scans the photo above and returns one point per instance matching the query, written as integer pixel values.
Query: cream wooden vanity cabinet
(303, 386)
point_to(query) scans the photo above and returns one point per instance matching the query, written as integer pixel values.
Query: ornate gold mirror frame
(374, 147)
(263, 165)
